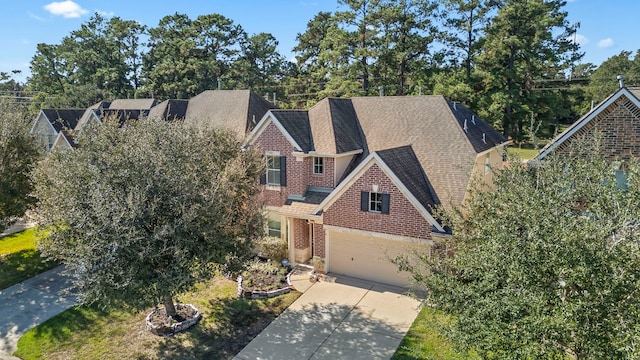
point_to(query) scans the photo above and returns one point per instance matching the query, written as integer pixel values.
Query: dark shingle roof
(296, 122)
(346, 129)
(170, 110)
(405, 165)
(481, 136)
(63, 118)
(121, 115)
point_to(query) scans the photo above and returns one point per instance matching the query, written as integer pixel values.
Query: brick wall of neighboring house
(326, 179)
(273, 140)
(300, 233)
(318, 240)
(619, 123)
(403, 218)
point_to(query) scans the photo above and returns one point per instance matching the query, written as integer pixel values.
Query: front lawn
(227, 325)
(19, 258)
(425, 340)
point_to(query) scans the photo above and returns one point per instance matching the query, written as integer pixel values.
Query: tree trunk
(169, 307)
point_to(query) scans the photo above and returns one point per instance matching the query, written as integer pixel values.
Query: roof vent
(484, 138)
(473, 119)
(381, 90)
(620, 80)
(465, 125)
(454, 105)
(254, 118)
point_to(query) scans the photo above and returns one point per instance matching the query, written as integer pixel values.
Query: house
(617, 118)
(353, 182)
(236, 110)
(52, 123)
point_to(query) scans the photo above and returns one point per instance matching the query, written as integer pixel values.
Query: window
(318, 165)
(273, 170)
(274, 227)
(375, 202)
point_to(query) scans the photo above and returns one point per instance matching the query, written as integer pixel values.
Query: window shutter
(385, 203)
(263, 179)
(283, 171)
(364, 201)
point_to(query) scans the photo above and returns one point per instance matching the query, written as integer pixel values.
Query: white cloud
(578, 38)
(34, 16)
(605, 43)
(67, 9)
(581, 39)
(107, 14)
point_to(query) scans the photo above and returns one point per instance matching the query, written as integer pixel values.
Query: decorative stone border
(261, 294)
(175, 327)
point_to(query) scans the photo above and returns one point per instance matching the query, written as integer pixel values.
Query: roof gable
(270, 118)
(427, 123)
(296, 124)
(63, 118)
(377, 159)
(586, 119)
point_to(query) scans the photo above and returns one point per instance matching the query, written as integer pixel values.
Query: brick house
(353, 181)
(617, 118)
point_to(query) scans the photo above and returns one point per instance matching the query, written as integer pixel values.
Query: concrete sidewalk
(25, 305)
(348, 319)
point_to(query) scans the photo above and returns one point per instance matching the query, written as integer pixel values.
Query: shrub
(273, 248)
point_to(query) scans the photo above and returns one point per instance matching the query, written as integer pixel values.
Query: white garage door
(367, 257)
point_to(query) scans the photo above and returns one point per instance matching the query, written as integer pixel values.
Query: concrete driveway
(25, 305)
(349, 319)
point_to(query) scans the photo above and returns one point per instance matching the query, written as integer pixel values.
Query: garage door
(367, 257)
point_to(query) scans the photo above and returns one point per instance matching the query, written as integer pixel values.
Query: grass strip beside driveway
(227, 325)
(19, 258)
(425, 339)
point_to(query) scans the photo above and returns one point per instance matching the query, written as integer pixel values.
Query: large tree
(547, 263)
(188, 56)
(140, 213)
(19, 152)
(103, 56)
(603, 81)
(526, 41)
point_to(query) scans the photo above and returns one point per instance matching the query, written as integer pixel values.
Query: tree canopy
(547, 263)
(19, 152)
(140, 213)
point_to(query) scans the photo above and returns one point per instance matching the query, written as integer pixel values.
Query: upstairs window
(276, 173)
(375, 202)
(318, 165)
(273, 170)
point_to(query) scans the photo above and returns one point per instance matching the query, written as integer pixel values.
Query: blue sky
(605, 30)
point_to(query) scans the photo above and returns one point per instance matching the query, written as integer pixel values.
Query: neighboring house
(617, 118)
(353, 181)
(51, 125)
(236, 110)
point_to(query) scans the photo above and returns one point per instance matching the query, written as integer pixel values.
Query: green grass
(523, 153)
(227, 325)
(425, 341)
(19, 258)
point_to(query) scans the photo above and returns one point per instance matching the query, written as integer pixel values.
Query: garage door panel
(367, 257)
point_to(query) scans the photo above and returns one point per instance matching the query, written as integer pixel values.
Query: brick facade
(403, 218)
(619, 123)
(318, 241)
(301, 233)
(297, 175)
(326, 179)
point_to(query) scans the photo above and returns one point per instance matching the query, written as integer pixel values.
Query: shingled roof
(63, 118)
(335, 126)
(296, 122)
(405, 165)
(433, 129)
(235, 110)
(170, 110)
